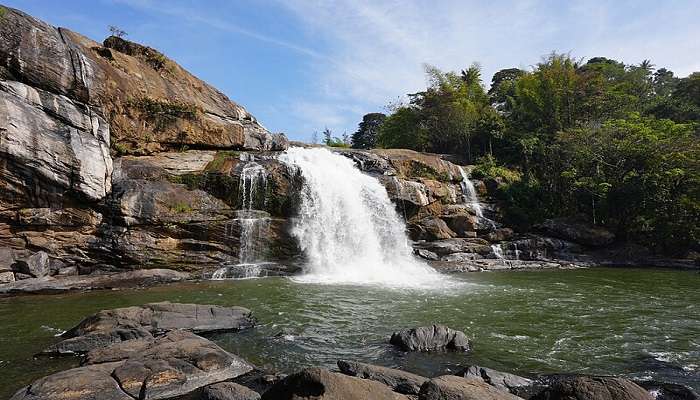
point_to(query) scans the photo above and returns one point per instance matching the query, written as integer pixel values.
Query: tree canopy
(615, 143)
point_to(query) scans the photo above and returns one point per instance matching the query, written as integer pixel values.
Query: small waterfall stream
(469, 192)
(253, 225)
(348, 228)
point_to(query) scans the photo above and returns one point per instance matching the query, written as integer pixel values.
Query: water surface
(640, 323)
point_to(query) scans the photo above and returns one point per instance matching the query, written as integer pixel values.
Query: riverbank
(635, 323)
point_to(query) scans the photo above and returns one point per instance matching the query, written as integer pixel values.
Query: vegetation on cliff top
(618, 144)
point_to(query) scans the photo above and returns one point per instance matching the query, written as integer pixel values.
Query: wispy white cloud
(377, 48)
(363, 54)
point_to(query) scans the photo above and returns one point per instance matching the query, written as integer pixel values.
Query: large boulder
(399, 381)
(142, 322)
(172, 365)
(36, 265)
(430, 338)
(584, 387)
(577, 232)
(229, 391)
(430, 228)
(321, 384)
(451, 387)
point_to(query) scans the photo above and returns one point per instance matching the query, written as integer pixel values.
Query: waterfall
(348, 228)
(498, 252)
(253, 224)
(469, 192)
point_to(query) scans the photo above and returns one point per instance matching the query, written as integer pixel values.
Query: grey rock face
(36, 265)
(135, 278)
(52, 144)
(577, 232)
(229, 391)
(320, 384)
(450, 387)
(430, 338)
(142, 322)
(398, 381)
(500, 380)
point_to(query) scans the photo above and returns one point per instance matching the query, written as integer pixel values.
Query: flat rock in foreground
(430, 338)
(321, 384)
(143, 322)
(399, 381)
(169, 366)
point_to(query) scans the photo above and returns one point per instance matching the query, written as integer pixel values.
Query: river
(639, 323)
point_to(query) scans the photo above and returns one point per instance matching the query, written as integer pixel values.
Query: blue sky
(302, 65)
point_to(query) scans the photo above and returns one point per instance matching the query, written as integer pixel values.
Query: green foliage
(487, 168)
(420, 170)
(615, 143)
(220, 159)
(121, 149)
(3, 11)
(163, 112)
(181, 208)
(367, 131)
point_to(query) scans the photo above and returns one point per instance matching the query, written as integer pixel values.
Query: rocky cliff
(113, 158)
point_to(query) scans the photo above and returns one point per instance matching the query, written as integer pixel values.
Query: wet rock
(456, 245)
(426, 254)
(460, 219)
(668, 391)
(36, 265)
(142, 322)
(399, 381)
(451, 387)
(583, 387)
(137, 278)
(577, 232)
(514, 384)
(430, 338)
(320, 384)
(229, 391)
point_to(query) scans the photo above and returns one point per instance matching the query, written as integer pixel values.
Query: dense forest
(615, 144)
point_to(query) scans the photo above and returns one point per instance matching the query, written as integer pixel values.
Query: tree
(402, 130)
(366, 135)
(314, 137)
(327, 136)
(115, 31)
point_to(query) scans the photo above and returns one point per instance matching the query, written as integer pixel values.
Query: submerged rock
(399, 381)
(430, 338)
(668, 391)
(143, 322)
(321, 384)
(451, 387)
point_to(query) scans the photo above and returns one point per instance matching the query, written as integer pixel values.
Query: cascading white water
(469, 192)
(253, 224)
(348, 228)
(498, 252)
